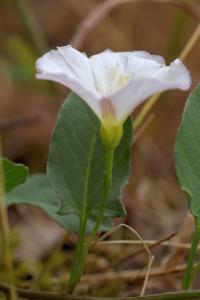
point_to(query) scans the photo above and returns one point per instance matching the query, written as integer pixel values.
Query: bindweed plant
(90, 151)
(85, 153)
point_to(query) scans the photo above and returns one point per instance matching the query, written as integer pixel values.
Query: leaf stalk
(83, 246)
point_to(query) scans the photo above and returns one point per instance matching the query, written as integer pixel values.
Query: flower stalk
(109, 157)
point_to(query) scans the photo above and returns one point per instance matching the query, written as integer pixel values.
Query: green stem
(80, 255)
(109, 157)
(188, 275)
(82, 247)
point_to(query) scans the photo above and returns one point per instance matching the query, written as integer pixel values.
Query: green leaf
(14, 174)
(188, 151)
(38, 192)
(76, 150)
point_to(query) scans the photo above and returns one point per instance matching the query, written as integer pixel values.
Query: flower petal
(66, 60)
(146, 55)
(72, 69)
(111, 71)
(137, 90)
(124, 79)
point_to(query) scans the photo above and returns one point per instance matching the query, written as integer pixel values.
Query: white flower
(112, 84)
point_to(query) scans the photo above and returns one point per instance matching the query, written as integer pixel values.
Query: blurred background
(155, 205)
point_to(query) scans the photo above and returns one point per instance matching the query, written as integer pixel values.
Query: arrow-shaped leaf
(38, 192)
(188, 151)
(14, 174)
(77, 160)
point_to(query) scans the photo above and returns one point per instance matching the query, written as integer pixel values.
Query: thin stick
(150, 260)
(146, 278)
(151, 257)
(125, 275)
(131, 275)
(157, 243)
(149, 242)
(190, 43)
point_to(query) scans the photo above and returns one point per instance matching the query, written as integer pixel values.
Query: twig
(157, 243)
(131, 275)
(103, 9)
(191, 43)
(151, 246)
(146, 249)
(149, 242)
(195, 294)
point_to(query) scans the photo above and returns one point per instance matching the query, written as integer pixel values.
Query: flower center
(117, 79)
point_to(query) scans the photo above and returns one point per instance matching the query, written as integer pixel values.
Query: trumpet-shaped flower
(112, 84)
